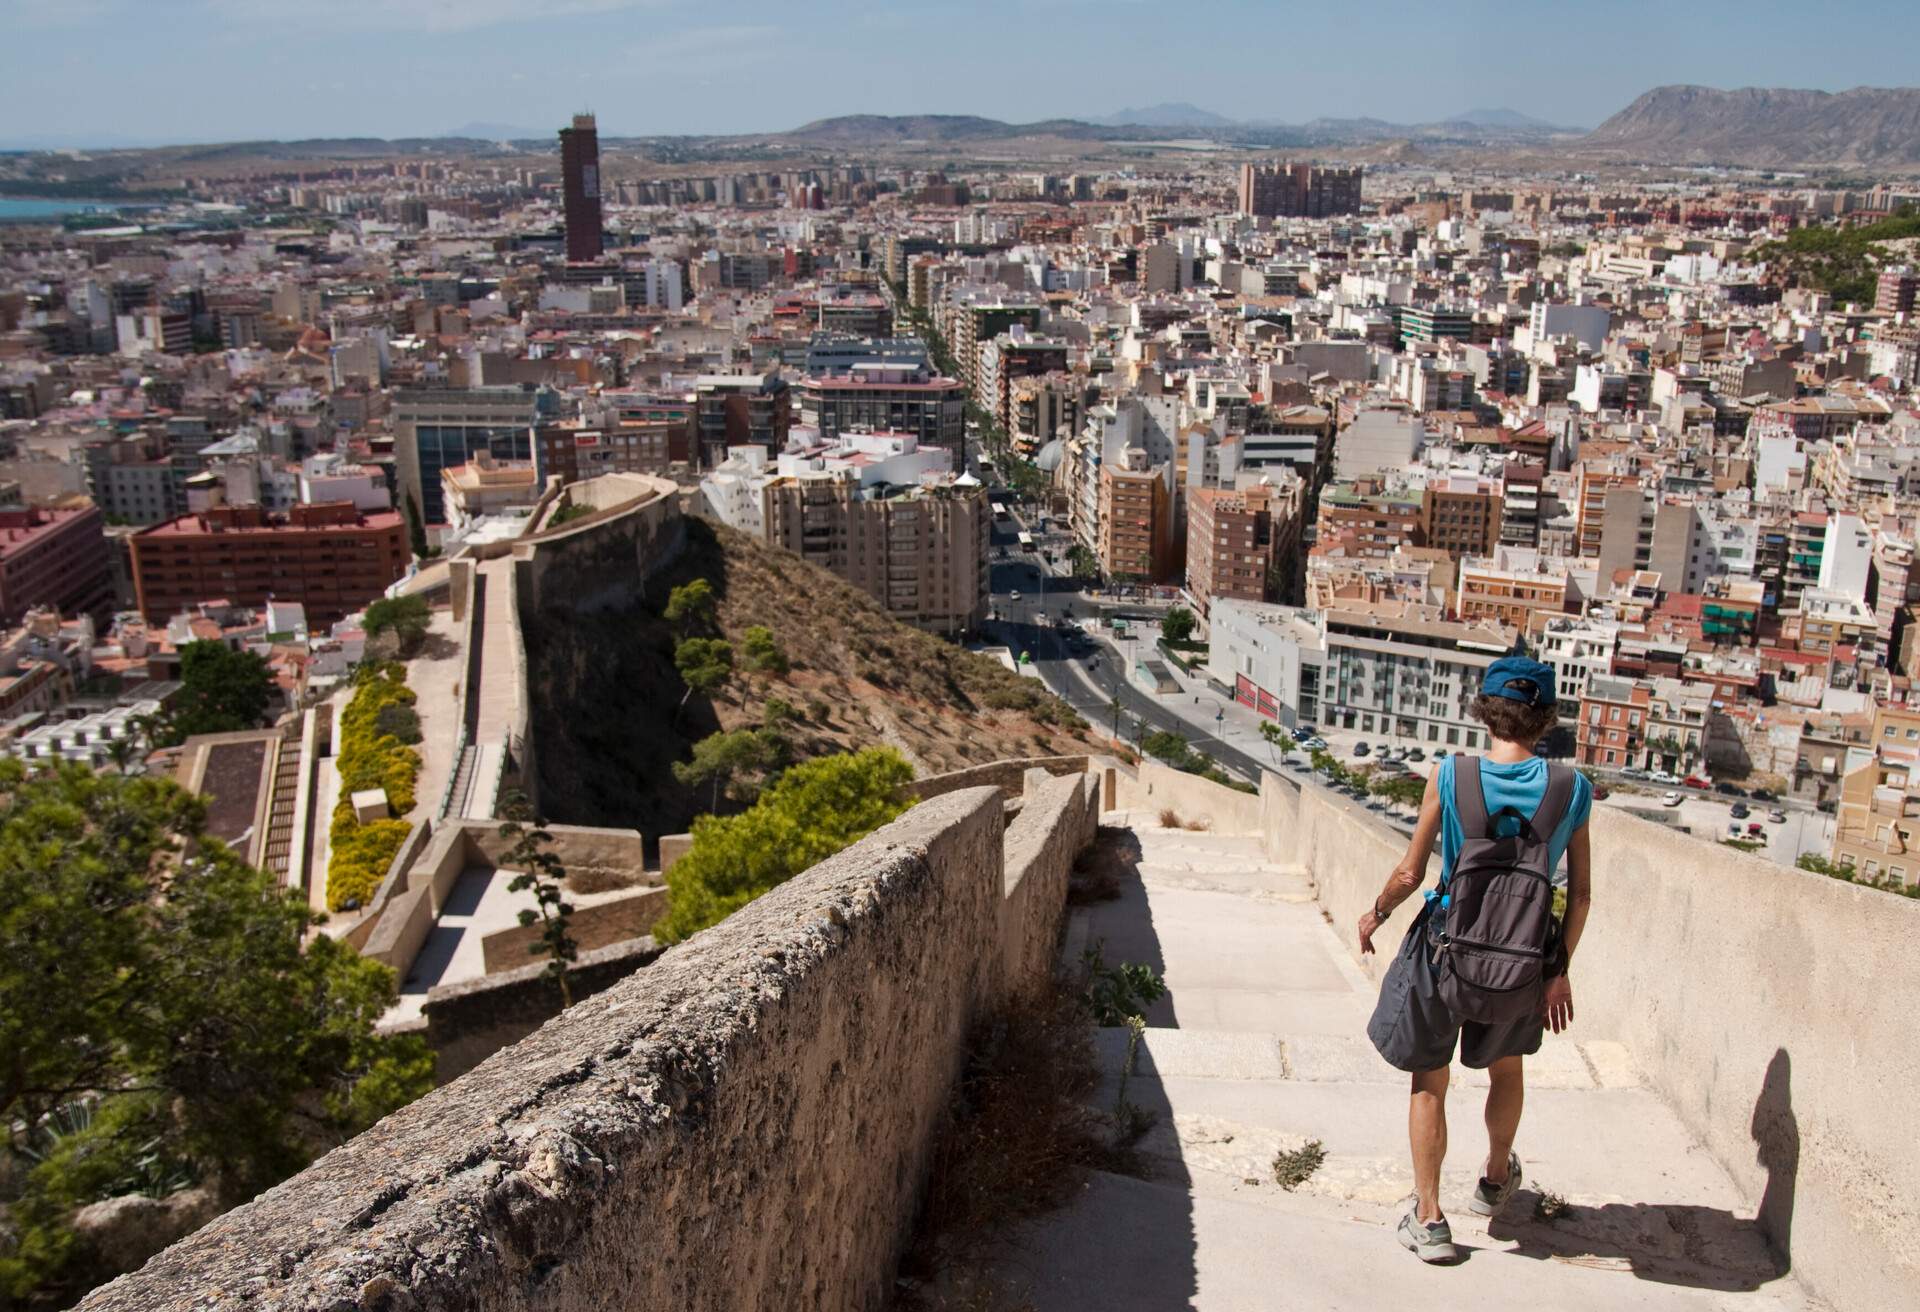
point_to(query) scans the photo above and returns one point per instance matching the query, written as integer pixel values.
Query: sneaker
(1429, 1243)
(1488, 1197)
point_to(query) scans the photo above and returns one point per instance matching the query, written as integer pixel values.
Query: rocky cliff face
(1768, 126)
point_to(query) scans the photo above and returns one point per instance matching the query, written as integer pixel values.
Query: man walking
(1483, 963)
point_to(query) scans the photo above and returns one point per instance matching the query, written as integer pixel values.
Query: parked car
(1361, 749)
(1416, 755)
(1778, 816)
(1014, 595)
(1662, 777)
(1756, 830)
(1633, 772)
(1734, 830)
(1738, 811)
(1826, 807)
(1700, 782)
(1728, 790)
(1439, 753)
(1390, 766)
(1672, 799)
(1762, 795)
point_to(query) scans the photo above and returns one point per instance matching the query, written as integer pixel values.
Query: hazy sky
(97, 71)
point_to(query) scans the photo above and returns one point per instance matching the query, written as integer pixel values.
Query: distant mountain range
(1179, 114)
(1769, 126)
(1867, 127)
(1173, 114)
(1164, 122)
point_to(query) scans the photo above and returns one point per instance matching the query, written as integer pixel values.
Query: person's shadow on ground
(1680, 1243)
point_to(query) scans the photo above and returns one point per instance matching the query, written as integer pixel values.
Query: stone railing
(1771, 1007)
(745, 1123)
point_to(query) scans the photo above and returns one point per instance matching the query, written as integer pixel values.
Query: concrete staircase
(1260, 1047)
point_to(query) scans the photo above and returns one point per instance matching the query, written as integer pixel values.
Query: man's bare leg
(1427, 1131)
(1506, 1095)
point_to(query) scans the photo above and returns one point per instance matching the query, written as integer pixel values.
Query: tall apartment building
(1512, 585)
(573, 449)
(1040, 407)
(1290, 190)
(435, 429)
(331, 558)
(1243, 543)
(735, 409)
(53, 558)
(1612, 726)
(1135, 535)
(580, 187)
(1460, 514)
(1014, 355)
(1392, 667)
(969, 325)
(1897, 290)
(892, 397)
(1366, 520)
(919, 551)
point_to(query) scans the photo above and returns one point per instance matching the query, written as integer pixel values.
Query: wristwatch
(1378, 914)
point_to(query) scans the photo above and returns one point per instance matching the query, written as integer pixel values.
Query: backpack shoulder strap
(1555, 802)
(1469, 799)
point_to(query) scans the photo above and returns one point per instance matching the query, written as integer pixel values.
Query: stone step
(1268, 883)
(1128, 1243)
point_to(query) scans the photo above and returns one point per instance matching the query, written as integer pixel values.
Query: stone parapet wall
(1055, 824)
(745, 1124)
(1771, 1007)
(1008, 776)
(618, 919)
(467, 1023)
(1155, 787)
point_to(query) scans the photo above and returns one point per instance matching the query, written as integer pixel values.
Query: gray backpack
(1497, 928)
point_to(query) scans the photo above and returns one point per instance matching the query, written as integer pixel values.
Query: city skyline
(662, 67)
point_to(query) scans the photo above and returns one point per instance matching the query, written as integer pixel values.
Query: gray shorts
(1415, 1031)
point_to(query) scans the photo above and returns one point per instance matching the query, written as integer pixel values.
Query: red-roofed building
(53, 558)
(330, 557)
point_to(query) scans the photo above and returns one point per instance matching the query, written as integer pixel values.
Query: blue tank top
(1519, 785)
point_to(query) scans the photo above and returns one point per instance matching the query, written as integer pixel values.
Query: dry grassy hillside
(605, 689)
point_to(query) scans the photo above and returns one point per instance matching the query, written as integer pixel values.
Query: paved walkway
(1260, 1046)
(499, 687)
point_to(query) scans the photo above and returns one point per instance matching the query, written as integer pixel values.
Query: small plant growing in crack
(1550, 1207)
(1294, 1167)
(1130, 1120)
(1115, 993)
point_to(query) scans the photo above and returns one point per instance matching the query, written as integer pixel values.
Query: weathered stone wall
(1057, 820)
(1154, 787)
(629, 915)
(606, 558)
(744, 1124)
(1771, 1007)
(467, 1023)
(1006, 775)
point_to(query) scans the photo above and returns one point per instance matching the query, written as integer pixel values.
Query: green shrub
(815, 809)
(763, 653)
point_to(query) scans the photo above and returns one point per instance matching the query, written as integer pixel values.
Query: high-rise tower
(580, 174)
